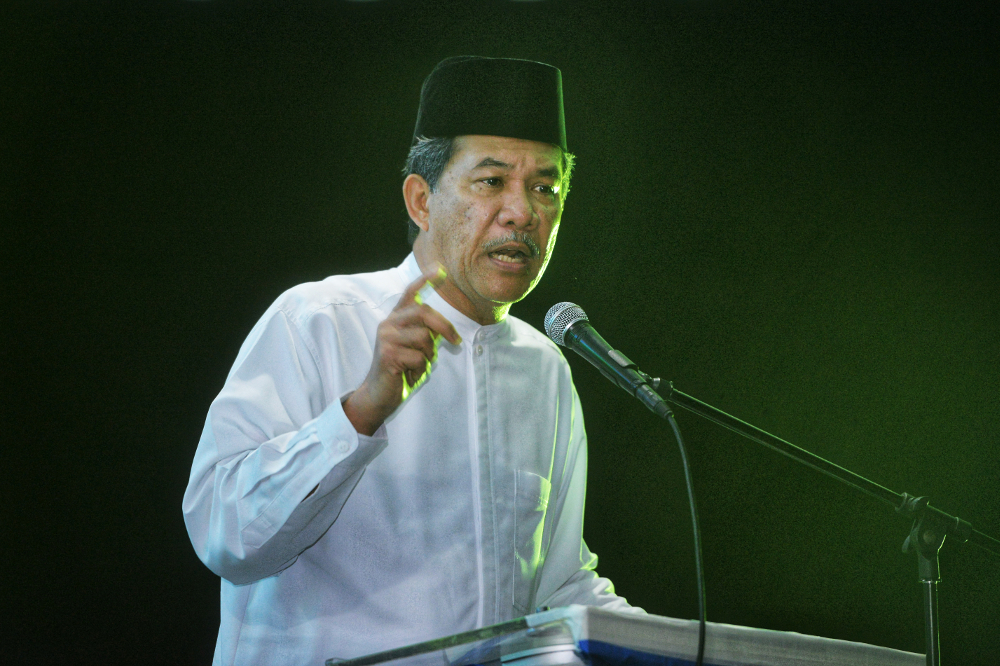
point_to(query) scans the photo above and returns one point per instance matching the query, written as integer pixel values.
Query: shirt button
(479, 350)
(343, 447)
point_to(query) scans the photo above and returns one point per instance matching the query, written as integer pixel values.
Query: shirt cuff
(349, 451)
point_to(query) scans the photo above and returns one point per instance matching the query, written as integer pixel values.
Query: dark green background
(790, 211)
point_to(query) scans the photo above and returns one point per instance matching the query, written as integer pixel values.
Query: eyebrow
(490, 162)
(547, 172)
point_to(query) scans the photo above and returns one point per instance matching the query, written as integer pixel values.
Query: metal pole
(931, 622)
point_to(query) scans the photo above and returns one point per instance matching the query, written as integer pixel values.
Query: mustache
(514, 237)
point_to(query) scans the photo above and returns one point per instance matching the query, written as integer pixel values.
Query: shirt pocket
(531, 499)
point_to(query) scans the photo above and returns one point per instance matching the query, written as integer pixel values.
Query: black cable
(699, 569)
(568, 326)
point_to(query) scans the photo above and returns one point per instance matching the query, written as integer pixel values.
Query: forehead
(521, 154)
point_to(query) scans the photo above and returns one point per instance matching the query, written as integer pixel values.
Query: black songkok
(521, 99)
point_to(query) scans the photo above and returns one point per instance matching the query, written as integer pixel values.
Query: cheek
(552, 239)
(474, 227)
(452, 225)
(553, 231)
(470, 216)
(477, 215)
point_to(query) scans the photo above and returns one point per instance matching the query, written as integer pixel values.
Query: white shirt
(465, 509)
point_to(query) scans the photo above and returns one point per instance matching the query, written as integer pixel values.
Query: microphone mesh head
(560, 317)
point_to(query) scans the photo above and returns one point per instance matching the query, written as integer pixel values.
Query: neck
(497, 314)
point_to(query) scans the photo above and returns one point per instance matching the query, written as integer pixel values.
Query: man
(393, 458)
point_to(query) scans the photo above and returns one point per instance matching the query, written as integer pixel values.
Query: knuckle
(386, 325)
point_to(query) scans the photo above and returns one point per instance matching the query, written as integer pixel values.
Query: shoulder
(360, 293)
(319, 320)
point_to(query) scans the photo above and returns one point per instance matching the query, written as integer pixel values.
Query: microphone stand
(930, 524)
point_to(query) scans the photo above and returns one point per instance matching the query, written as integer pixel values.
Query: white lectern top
(588, 636)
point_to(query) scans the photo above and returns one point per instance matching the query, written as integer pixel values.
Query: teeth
(508, 259)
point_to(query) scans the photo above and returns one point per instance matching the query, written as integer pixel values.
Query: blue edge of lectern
(606, 654)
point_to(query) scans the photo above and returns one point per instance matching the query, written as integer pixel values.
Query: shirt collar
(468, 328)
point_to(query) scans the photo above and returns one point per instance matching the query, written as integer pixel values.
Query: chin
(505, 289)
(509, 296)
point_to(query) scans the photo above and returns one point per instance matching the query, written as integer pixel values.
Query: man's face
(492, 221)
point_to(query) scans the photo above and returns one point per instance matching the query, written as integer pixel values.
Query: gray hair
(429, 156)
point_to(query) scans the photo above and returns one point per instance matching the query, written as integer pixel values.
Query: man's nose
(518, 211)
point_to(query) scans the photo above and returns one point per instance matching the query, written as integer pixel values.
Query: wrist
(361, 412)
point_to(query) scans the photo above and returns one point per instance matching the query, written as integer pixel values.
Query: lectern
(583, 635)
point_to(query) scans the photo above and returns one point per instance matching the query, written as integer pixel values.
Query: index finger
(432, 319)
(435, 276)
(439, 324)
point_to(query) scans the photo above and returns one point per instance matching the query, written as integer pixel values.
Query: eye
(493, 181)
(549, 190)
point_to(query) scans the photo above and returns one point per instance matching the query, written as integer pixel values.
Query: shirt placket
(480, 352)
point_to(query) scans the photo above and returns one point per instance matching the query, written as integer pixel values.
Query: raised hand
(405, 347)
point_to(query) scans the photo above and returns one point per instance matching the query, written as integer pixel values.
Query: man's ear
(416, 193)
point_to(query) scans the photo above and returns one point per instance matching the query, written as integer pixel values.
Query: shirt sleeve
(569, 574)
(269, 440)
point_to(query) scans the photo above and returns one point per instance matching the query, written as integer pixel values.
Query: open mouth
(510, 256)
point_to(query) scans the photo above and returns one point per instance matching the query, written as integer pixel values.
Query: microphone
(568, 326)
